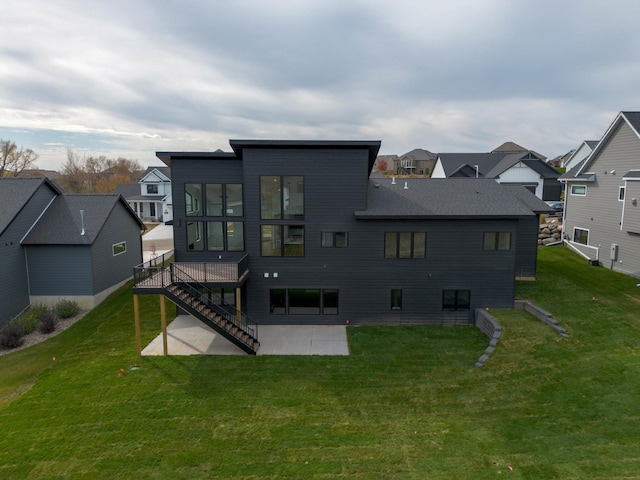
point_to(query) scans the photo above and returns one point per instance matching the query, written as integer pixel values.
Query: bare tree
(14, 160)
(96, 174)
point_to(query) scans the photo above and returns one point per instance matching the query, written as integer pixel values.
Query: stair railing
(204, 294)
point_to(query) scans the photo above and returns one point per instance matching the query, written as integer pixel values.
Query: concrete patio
(188, 336)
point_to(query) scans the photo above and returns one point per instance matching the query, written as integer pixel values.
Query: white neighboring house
(582, 152)
(512, 166)
(151, 197)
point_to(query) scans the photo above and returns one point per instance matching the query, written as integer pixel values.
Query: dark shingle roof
(633, 118)
(15, 193)
(166, 171)
(128, 189)
(62, 222)
(448, 198)
(453, 162)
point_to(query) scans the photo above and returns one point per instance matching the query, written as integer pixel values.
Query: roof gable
(632, 119)
(15, 193)
(75, 219)
(156, 174)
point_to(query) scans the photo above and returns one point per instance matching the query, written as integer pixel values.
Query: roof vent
(82, 222)
(406, 185)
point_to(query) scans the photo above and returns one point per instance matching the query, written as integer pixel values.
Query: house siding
(14, 281)
(108, 269)
(58, 270)
(600, 212)
(335, 187)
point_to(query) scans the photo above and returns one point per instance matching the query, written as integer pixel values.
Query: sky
(127, 78)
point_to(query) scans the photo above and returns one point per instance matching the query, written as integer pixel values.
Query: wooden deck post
(136, 316)
(163, 325)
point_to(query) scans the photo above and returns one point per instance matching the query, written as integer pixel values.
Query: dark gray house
(306, 237)
(57, 245)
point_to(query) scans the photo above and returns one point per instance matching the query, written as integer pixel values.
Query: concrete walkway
(157, 242)
(188, 336)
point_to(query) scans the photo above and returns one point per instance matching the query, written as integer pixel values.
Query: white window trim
(579, 194)
(621, 189)
(574, 236)
(113, 248)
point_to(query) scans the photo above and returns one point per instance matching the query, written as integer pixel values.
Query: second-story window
(193, 199)
(405, 244)
(282, 240)
(152, 188)
(282, 197)
(334, 239)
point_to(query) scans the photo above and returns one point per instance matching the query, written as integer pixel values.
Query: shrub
(66, 309)
(28, 321)
(12, 335)
(47, 323)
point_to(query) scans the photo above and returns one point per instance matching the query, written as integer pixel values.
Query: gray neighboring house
(508, 164)
(46, 254)
(150, 198)
(601, 214)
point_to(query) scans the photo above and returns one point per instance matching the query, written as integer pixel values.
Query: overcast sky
(129, 78)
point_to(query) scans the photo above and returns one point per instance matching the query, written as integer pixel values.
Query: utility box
(614, 251)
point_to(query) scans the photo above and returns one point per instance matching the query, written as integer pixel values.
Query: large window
(213, 192)
(456, 299)
(193, 199)
(580, 235)
(334, 239)
(303, 301)
(405, 244)
(234, 206)
(227, 236)
(282, 240)
(497, 241)
(578, 190)
(281, 197)
(195, 239)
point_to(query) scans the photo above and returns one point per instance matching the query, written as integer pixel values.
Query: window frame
(280, 210)
(396, 299)
(459, 304)
(333, 237)
(405, 250)
(279, 301)
(622, 192)
(497, 241)
(575, 231)
(282, 233)
(151, 187)
(575, 187)
(115, 245)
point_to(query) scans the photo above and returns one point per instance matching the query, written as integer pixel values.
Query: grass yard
(407, 403)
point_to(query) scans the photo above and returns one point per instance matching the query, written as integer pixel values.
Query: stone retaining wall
(492, 329)
(550, 231)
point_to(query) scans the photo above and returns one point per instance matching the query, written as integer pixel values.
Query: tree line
(78, 174)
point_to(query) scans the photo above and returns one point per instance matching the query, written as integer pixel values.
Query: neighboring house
(506, 166)
(560, 160)
(601, 214)
(151, 197)
(579, 154)
(275, 237)
(416, 162)
(46, 254)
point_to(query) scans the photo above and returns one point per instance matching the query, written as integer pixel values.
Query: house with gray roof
(601, 213)
(509, 164)
(56, 245)
(276, 239)
(150, 198)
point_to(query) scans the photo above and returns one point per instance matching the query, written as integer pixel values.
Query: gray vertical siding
(335, 187)
(600, 211)
(14, 282)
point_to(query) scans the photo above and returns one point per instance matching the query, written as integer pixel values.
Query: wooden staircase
(229, 324)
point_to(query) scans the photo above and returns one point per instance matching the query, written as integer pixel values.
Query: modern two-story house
(601, 214)
(306, 237)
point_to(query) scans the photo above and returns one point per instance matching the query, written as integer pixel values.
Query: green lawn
(407, 403)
